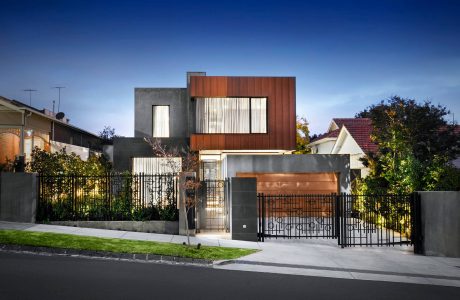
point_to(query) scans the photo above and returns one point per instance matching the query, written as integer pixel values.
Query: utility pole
(30, 95)
(59, 95)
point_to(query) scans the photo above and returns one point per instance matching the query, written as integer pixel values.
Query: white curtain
(258, 115)
(160, 115)
(222, 115)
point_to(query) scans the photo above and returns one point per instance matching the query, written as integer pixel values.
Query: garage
(295, 183)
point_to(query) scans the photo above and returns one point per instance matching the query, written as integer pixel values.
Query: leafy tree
(302, 136)
(62, 163)
(189, 163)
(415, 145)
(107, 134)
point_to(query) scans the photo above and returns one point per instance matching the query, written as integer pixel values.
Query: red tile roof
(359, 128)
(331, 134)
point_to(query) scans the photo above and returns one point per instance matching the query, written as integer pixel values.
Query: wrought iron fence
(296, 216)
(107, 197)
(355, 220)
(380, 220)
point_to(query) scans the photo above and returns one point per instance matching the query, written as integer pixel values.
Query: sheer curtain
(258, 115)
(160, 115)
(231, 115)
(222, 115)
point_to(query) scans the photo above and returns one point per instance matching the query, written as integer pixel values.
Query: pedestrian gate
(354, 220)
(213, 212)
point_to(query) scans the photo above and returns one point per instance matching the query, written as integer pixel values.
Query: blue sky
(346, 55)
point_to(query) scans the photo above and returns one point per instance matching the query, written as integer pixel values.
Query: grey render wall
(291, 164)
(441, 223)
(125, 148)
(243, 211)
(176, 98)
(18, 197)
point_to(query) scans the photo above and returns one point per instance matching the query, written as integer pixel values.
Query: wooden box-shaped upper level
(281, 112)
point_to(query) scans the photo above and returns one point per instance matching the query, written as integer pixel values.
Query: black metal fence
(297, 216)
(108, 197)
(354, 220)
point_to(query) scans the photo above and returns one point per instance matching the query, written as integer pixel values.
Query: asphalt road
(28, 276)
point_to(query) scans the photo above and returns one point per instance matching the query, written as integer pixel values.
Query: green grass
(67, 241)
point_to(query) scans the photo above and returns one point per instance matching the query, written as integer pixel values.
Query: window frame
(169, 121)
(197, 98)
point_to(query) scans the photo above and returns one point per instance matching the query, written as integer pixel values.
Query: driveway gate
(353, 220)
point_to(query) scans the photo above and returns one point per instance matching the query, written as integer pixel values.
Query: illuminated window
(231, 115)
(160, 121)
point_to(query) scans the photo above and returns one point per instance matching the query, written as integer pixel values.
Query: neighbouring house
(22, 128)
(347, 136)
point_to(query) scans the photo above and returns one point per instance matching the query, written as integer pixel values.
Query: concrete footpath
(314, 257)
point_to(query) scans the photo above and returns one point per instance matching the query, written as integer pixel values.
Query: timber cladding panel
(281, 101)
(313, 184)
(295, 183)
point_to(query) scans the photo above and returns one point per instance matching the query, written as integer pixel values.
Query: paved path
(314, 257)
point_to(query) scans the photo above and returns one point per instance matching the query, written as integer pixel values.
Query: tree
(415, 143)
(107, 134)
(189, 163)
(302, 136)
(63, 163)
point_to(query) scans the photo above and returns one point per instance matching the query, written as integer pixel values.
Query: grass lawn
(68, 241)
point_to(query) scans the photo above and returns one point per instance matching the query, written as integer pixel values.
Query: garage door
(295, 183)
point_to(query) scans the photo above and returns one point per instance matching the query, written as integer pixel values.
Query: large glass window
(160, 121)
(231, 115)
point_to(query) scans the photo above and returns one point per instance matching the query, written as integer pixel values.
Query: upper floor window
(231, 115)
(160, 121)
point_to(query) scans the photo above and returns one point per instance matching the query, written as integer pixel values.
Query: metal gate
(380, 220)
(213, 212)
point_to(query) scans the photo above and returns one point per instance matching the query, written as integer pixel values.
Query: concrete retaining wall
(18, 197)
(164, 227)
(441, 223)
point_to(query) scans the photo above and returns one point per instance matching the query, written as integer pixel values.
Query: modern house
(220, 116)
(241, 127)
(347, 136)
(23, 128)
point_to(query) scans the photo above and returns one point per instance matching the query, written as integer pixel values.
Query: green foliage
(68, 241)
(415, 145)
(62, 163)
(107, 134)
(302, 136)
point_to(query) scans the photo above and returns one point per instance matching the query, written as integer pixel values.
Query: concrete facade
(243, 209)
(18, 197)
(441, 223)
(124, 149)
(175, 98)
(162, 227)
(291, 164)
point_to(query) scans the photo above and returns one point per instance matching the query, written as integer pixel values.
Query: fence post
(263, 217)
(416, 216)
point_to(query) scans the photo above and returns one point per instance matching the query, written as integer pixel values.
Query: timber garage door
(295, 183)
